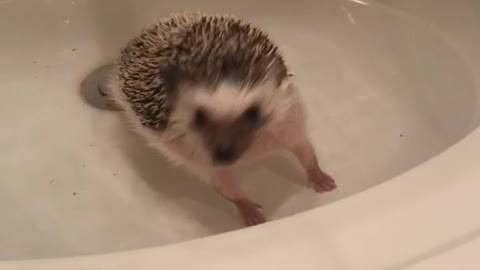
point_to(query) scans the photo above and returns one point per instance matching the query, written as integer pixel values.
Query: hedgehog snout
(227, 144)
(226, 147)
(224, 155)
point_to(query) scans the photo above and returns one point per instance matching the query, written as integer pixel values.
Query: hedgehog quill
(211, 92)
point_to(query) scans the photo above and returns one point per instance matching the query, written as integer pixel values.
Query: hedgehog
(211, 92)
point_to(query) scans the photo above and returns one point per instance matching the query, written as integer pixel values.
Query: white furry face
(220, 125)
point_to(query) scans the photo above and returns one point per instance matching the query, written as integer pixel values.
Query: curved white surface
(400, 224)
(393, 226)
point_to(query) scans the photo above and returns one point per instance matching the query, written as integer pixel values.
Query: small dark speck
(401, 135)
(74, 193)
(34, 62)
(51, 181)
(74, 49)
(83, 165)
(114, 174)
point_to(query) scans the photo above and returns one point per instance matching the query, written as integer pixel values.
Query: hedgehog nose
(224, 155)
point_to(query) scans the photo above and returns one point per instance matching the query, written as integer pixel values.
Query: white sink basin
(388, 85)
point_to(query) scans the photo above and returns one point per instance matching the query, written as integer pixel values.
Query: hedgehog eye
(200, 118)
(252, 114)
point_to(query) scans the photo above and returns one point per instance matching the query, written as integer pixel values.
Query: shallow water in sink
(383, 90)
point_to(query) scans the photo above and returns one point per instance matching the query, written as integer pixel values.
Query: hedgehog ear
(286, 82)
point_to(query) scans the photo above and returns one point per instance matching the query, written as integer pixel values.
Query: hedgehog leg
(250, 212)
(317, 179)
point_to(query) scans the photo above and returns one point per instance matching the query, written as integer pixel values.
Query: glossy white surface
(370, 72)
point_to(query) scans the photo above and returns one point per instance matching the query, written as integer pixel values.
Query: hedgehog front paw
(251, 212)
(320, 181)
